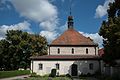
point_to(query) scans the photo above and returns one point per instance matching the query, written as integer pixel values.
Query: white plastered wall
(65, 66)
(77, 50)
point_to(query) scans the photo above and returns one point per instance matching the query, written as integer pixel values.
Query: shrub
(68, 75)
(62, 75)
(89, 75)
(116, 77)
(82, 75)
(46, 75)
(53, 73)
(34, 75)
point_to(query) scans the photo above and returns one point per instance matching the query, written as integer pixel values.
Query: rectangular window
(57, 66)
(91, 66)
(40, 66)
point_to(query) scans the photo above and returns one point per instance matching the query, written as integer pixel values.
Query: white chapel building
(71, 53)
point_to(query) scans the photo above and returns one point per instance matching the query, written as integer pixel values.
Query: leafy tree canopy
(17, 48)
(110, 30)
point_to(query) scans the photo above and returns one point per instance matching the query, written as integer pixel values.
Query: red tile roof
(72, 37)
(66, 57)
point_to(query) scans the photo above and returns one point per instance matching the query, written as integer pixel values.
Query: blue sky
(49, 17)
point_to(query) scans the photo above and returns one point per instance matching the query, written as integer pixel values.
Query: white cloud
(20, 26)
(41, 11)
(96, 38)
(101, 10)
(51, 35)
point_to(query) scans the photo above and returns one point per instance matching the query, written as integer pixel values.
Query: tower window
(40, 66)
(86, 50)
(57, 66)
(58, 51)
(91, 66)
(72, 51)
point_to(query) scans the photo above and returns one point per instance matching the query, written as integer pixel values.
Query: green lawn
(6, 74)
(47, 78)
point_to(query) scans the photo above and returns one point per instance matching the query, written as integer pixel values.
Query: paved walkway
(17, 77)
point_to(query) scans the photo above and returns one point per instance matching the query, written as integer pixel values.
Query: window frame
(58, 51)
(86, 50)
(40, 66)
(72, 51)
(91, 66)
(57, 66)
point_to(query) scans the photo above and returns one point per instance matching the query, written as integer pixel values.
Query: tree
(110, 30)
(18, 47)
(3, 54)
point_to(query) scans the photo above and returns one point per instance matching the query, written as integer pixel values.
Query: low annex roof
(66, 57)
(101, 51)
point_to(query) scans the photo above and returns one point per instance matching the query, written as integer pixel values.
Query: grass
(6, 74)
(47, 78)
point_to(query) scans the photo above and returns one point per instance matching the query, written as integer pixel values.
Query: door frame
(74, 70)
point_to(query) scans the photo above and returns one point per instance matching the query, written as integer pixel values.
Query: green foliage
(34, 75)
(46, 75)
(18, 47)
(113, 77)
(6, 74)
(53, 73)
(110, 30)
(68, 75)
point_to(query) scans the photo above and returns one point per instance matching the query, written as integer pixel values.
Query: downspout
(32, 66)
(48, 51)
(95, 50)
(99, 66)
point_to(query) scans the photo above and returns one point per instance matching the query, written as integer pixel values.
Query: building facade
(71, 53)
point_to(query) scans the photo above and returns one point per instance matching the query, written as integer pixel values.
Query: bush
(116, 77)
(68, 75)
(34, 75)
(53, 73)
(46, 75)
(82, 75)
(106, 77)
(62, 75)
(89, 75)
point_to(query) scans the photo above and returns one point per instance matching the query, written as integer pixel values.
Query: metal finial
(70, 8)
(70, 11)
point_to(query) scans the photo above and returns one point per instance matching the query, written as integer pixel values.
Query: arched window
(86, 50)
(58, 51)
(40, 66)
(72, 51)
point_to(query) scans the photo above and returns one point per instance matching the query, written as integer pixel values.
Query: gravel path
(17, 77)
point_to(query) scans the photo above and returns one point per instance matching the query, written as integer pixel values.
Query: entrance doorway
(74, 71)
